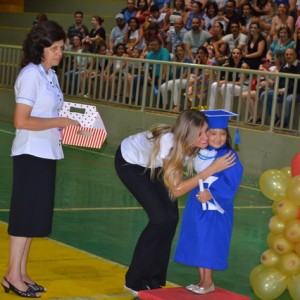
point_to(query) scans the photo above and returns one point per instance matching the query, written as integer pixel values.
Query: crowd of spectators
(240, 34)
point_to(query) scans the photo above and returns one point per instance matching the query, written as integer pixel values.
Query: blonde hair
(185, 130)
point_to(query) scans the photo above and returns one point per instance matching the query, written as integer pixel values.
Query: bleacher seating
(15, 25)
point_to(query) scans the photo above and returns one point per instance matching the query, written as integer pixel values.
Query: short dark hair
(41, 36)
(78, 12)
(154, 8)
(155, 39)
(231, 1)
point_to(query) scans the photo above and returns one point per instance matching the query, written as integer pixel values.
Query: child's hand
(204, 196)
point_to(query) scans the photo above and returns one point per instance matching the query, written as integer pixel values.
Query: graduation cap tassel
(237, 140)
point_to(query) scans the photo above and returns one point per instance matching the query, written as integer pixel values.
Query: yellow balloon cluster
(280, 264)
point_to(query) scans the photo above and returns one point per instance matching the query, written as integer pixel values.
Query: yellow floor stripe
(68, 273)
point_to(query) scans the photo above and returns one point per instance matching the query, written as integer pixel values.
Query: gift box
(91, 133)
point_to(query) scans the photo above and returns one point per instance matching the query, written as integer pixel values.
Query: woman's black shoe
(35, 287)
(154, 284)
(27, 294)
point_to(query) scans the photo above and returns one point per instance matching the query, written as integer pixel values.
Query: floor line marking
(9, 132)
(89, 151)
(128, 208)
(249, 188)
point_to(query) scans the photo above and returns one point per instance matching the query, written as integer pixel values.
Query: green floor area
(94, 212)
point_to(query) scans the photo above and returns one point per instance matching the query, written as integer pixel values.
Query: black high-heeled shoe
(36, 287)
(27, 294)
(6, 289)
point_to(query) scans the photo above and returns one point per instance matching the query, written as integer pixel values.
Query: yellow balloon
(272, 184)
(269, 284)
(293, 190)
(292, 231)
(289, 264)
(286, 210)
(294, 287)
(254, 272)
(269, 258)
(281, 245)
(287, 171)
(276, 225)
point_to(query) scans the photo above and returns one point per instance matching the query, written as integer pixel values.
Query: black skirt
(32, 201)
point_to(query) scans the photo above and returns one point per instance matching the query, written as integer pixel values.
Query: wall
(16, 20)
(11, 5)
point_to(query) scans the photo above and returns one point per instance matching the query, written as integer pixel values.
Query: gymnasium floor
(97, 222)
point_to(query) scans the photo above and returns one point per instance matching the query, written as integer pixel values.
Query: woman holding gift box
(150, 164)
(35, 150)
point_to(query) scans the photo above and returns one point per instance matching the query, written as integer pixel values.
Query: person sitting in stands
(234, 39)
(231, 15)
(77, 64)
(143, 12)
(118, 32)
(195, 38)
(256, 47)
(159, 18)
(217, 32)
(77, 27)
(97, 33)
(179, 80)
(230, 85)
(151, 30)
(285, 93)
(199, 81)
(282, 18)
(283, 42)
(176, 36)
(114, 71)
(135, 68)
(163, 5)
(129, 11)
(174, 13)
(91, 77)
(196, 12)
(158, 71)
(134, 37)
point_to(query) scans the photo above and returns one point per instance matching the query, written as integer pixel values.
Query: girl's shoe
(202, 290)
(191, 287)
(27, 294)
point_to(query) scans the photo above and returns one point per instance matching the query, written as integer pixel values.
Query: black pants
(152, 252)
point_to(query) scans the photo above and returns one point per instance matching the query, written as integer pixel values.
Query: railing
(89, 76)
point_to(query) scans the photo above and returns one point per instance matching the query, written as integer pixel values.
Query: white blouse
(136, 149)
(41, 91)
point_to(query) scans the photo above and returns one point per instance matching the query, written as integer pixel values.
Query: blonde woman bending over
(150, 164)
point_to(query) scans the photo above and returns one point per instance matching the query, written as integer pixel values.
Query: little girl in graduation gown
(207, 222)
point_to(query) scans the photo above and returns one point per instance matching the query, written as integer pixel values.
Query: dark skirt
(32, 200)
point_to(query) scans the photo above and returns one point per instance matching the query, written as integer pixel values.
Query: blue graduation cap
(218, 118)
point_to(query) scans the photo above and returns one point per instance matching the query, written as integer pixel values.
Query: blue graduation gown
(205, 234)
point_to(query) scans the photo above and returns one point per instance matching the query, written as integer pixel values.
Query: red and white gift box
(91, 133)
